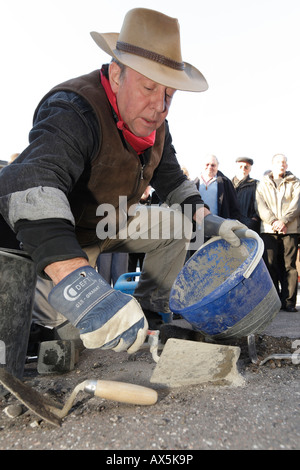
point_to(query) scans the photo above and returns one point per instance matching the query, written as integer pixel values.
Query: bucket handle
(259, 252)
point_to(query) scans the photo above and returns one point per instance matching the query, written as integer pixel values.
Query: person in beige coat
(278, 205)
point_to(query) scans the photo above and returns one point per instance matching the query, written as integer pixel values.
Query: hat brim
(244, 160)
(188, 79)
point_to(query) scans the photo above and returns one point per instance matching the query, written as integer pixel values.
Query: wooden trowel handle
(122, 392)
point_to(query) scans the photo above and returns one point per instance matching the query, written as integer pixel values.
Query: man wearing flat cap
(97, 142)
(245, 187)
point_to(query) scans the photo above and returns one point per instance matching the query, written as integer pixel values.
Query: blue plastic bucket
(127, 282)
(224, 291)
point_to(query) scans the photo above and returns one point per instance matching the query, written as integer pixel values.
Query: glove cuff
(212, 224)
(80, 291)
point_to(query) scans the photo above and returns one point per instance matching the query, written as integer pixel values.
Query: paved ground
(262, 414)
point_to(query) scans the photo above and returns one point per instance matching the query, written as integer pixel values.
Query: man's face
(211, 167)
(142, 103)
(242, 170)
(279, 165)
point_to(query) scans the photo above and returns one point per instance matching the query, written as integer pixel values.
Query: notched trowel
(184, 362)
(53, 413)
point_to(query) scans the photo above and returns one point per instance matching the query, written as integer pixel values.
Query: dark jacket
(103, 180)
(228, 207)
(246, 190)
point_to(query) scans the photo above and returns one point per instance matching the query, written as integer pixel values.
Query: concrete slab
(185, 363)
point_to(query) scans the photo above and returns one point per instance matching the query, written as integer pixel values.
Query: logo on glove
(73, 291)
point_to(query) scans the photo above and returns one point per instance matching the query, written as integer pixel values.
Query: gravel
(262, 414)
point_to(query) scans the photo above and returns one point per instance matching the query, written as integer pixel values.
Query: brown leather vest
(116, 169)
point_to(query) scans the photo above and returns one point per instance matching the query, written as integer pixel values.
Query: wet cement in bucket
(201, 277)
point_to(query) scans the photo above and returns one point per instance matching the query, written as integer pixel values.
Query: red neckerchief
(139, 144)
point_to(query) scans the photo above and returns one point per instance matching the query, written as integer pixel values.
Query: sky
(248, 50)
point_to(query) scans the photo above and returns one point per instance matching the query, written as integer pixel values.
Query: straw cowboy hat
(149, 43)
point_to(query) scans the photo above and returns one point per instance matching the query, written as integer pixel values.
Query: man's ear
(114, 76)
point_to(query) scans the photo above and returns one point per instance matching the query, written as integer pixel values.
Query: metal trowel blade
(29, 397)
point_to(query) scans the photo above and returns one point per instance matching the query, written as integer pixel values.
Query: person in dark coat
(245, 187)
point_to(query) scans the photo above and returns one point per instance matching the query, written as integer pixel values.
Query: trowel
(53, 413)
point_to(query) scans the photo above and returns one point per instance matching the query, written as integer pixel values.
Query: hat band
(161, 59)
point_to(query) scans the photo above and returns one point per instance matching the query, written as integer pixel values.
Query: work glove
(106, 318)
(215, 225)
